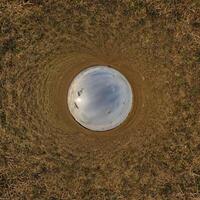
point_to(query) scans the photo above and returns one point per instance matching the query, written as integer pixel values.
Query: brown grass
(44, 154)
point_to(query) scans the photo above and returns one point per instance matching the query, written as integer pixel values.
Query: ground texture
(155, 154)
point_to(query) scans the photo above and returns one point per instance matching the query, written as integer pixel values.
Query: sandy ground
(45, 154)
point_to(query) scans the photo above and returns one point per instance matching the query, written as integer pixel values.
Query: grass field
(154, 155)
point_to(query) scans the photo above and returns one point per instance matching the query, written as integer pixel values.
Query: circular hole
(100, 98)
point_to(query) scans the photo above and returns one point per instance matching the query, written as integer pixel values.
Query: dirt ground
(45, 154)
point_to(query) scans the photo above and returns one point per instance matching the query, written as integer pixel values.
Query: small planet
(100, 98)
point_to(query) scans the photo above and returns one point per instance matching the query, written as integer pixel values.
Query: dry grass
(45, 156)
